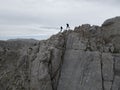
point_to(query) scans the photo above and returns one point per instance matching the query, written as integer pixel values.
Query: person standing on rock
(61, 28)
(67, 26)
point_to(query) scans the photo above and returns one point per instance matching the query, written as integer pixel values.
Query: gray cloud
(54, 13)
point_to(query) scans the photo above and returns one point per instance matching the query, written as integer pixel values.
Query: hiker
(67, 26)
(61, 28)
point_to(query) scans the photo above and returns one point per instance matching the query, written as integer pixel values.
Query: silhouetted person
(61, 28)
(67, 26)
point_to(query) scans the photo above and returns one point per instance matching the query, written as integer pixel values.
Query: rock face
(86, 58)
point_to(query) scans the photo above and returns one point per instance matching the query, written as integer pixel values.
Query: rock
(86, 58)
(81, 71)
(117, 64)
(107, 85)
(107, 66)
(111, 32)
(116, 83)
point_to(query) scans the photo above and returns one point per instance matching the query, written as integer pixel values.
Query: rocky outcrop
(86, 58)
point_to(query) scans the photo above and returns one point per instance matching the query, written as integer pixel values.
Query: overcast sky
(28, 17)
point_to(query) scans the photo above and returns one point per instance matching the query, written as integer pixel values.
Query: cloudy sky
(41, 18)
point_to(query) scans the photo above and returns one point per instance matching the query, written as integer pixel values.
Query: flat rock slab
(81, 71)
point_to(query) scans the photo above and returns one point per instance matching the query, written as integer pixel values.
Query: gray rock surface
(81, 70)
(86, 58)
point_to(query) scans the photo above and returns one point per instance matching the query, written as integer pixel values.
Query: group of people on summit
(67, 27)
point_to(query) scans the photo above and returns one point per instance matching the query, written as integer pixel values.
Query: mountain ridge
(86, 58)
